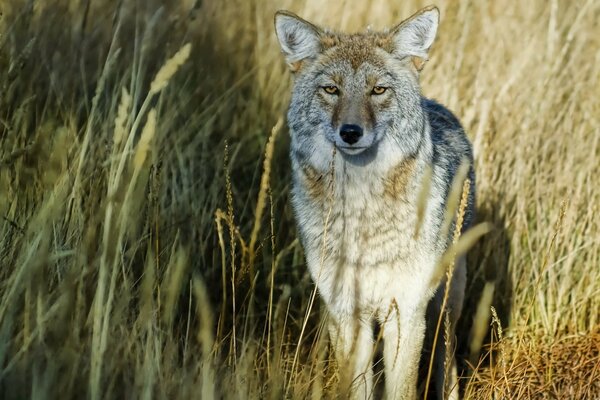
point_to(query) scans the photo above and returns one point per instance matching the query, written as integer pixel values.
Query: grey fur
(356, 204)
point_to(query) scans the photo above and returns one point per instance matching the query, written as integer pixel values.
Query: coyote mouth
(352, 150)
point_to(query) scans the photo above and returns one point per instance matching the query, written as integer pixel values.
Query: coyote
(363, 139)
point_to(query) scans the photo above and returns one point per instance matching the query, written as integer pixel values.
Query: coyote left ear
(414, 36)
(299, 39)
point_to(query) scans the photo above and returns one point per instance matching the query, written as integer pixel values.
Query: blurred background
(147, 246)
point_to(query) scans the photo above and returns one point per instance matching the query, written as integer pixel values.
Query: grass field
(147, 247)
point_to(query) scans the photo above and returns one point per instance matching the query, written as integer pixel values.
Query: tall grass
(147, 246)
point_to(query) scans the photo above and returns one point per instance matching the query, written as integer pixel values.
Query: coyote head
(354, 91)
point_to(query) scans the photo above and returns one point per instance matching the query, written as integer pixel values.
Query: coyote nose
(350, 133)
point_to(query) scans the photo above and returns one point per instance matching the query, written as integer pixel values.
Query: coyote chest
(358, 230)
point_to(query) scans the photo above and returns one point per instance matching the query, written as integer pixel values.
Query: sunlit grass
(147, 247)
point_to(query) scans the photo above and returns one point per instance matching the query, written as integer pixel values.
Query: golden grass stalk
(167, 71)
(205, 338)
(120, 121)
(456, 194)
(422, 198)
(449, 353)
(175, 273)
(460, 248)
(143, 146)
(453, 255)
(147, 291)
(219, 216)
(480, 323)
(503, 359)
(271, 282)
(262, 197)
(232, 231)
(498, 325)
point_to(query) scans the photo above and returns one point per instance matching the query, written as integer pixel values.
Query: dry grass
(568, 367)
(136, 263)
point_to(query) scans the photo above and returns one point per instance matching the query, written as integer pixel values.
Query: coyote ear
(414, 36)
(299, 39)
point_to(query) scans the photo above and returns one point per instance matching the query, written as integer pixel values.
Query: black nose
(350, 133)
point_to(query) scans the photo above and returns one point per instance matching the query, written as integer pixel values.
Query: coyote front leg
(403, 336)
(352, 341)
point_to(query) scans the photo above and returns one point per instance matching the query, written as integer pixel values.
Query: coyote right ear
(299, 39)
(414, 36)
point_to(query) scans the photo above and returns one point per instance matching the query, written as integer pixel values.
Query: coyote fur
(363, 142)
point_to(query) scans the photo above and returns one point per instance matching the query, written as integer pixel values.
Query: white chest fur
(357, 226)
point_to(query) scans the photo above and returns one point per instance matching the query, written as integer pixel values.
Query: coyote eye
(378, 90)
(331, 89)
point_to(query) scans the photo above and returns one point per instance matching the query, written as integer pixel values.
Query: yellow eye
(378, 90)
(331, 89)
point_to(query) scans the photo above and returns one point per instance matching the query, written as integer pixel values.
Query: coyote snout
(351, 110)
(351, 133)
(358, 208)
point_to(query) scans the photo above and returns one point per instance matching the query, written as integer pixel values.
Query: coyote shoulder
(363, 143)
